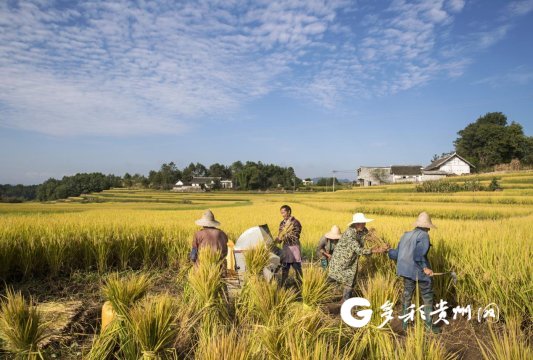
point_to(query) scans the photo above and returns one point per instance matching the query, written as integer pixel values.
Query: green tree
(490, 141)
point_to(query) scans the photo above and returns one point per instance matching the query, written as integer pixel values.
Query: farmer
(413, 266)
(327, 244)
(343, 262)
(209, 236)
(289, 235)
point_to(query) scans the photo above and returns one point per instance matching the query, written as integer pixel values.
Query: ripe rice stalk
(419, 345)
(227, 345)
(124, 291)
(256, 259)
(511, 342)
(205, 287)
(21, 328)
(152, 322)
(379, 289)
(261, 302)
(373, 239)
(105, 344)
(315, 288)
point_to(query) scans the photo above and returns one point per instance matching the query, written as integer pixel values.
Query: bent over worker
(413, 266)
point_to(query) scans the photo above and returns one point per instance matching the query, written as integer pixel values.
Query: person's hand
(428, 271)
(377, 250)
(386, 247)
(328, 255)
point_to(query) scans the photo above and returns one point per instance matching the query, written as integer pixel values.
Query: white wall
(455, 166)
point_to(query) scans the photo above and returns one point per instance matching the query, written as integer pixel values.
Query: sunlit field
(486, 238)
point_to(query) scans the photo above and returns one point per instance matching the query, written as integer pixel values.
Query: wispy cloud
(125, 68)
(518, 76)
(522, 7)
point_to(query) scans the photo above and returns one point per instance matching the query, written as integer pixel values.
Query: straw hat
(334, 233)
(208, 219)
(424, 221)
(359, 218)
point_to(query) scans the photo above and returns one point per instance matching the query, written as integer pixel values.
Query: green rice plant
(315, 288)
(21, 328)
(152, 323)
(508, 343)
(256, 259)
(124, 291)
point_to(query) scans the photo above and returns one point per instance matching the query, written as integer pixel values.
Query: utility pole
(339, 171)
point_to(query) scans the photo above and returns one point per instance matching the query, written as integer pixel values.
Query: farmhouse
(307, 182)
(452, 164)
(202, 183)
(373, 175)
(406, 173)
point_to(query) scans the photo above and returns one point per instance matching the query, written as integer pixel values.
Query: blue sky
(123, 86)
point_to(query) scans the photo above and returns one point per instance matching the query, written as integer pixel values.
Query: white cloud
(456, 5)
(125, 68)
(517, 8)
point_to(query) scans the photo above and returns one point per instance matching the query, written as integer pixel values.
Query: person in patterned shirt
(291, 254)
(344, 261)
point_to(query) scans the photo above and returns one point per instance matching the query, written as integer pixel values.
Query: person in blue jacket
(413, 266)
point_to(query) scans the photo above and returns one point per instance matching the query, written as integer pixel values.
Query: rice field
(123, 238)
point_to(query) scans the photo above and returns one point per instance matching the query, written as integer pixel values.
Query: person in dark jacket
(413, 266)
(291, 254)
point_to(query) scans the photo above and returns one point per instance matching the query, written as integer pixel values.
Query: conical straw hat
(334, 234)
(424, 221)
(208, 219)
(359, 218)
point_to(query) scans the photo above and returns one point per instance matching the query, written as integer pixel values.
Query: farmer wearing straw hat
(343, 263)
(327, 244)
(413, 266)
(209, 236)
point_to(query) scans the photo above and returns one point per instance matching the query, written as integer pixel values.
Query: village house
(379, 175)
(406, 173)
(307, 182)
(452, 164)
(373, 175)
(448, 165)
(202, 183)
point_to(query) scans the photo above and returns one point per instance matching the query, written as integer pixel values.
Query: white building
(451, 165)
(406, 173)
(373, 175)
(307, 182)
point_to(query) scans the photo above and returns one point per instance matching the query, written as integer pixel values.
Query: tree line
(245, 176)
